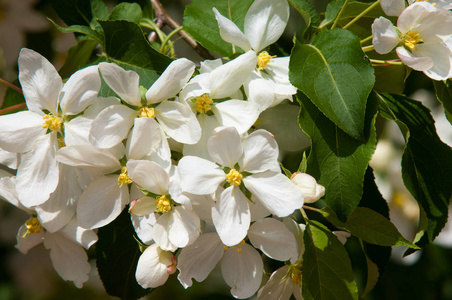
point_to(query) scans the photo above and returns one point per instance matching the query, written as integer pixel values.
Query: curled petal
(230, 32)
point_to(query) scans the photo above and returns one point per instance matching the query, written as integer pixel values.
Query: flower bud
(312, 191)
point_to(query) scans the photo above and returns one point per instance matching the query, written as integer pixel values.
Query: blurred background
(426, 274)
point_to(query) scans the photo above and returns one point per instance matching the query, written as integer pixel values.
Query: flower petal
(231, 216)
(124, 83)
(279, 286)
(278, 194)
(144, 138)
(260, 152)
(208, 124)
(242, 270)
(185, 227)
(236, 113)
(143, 227)
(225, 146)
(385, 37)
(27, 241)
(161, 231)
(152, 267)
(149, 175)
(412, 61)
(230, 32)
(392, 8)
(84, 237)
(40, 81)
(171, 81)
(265, 22)
(198, 259)
(199, 176)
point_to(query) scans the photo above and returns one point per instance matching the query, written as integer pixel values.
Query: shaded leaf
(336, 75)
(78, 56)
(73, 12)
(443, 90)
(327, 271)
(336, 160)
(200, 22)
(426, 160)
(331, 11)
(126, 11)
(80, 29)
(117, 254)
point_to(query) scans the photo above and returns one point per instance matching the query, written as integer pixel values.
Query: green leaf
(127, 11)
(373, 274)
(99, 10)
(443, 91)
(426, 160)
(13, 97)
(327, 271)
(117, 254)
(126, 45)
(304, 6)
(336, 75)
(331, 11)
(80, 29)
(74, 12)
(374, 228)
(303, 164)
(338, 161)
(390, 79)
(200, 22)
(78, 56)
(355, 8)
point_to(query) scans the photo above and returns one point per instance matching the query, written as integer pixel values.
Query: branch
(162, 14)
(10, 85)
(11, 108)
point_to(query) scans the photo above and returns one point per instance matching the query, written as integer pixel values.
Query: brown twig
(10, 85)
(11, 108)
(162, 15)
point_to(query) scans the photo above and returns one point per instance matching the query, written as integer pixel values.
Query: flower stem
(362, 14)
(368, 48)
(10, 85)
(311, 208)
(168, 37)
(366, 39)
(339, 15)
(386, 62)
(303, 213)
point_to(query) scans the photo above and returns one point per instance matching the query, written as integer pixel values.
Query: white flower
(175, 226)
(252, 162)
(265, 22)
(421, 32)
(176, 119)
(312, 191)
(154, 267)
(36, 133)
(395, 7)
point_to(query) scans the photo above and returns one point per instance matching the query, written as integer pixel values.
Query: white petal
(80, 90)
(27, 241)
(175, 189)
(185, 227)
(312, 191)
(101, 202)
(208, 66)
(178, 121)
(80, 235)
(385, 37)
(162, 155)
(40, 81)
(37, 176)
(278, 194)
(149, 175)
(69, 259)
(225, 146)
(90, 158)
(231, 216)
(260, 91)
(111, 126)
(265, 22)
(199, 176)
(9, 159)
(143, 227)
(208, 124)
(242, 271)
(228, 78)
(298, 231)
(416, 63)
(124, 83)
(230, 32)
(20, 130)
(171, 81)
(143, 206)
(273, 239)
(441, 56)
(144, 138)
(260, 152)
(392, 8)
(198, 259)
(161, 232)
(236, 113)
(60, 208)
(8, 193)
(152, 267)
(279, 286)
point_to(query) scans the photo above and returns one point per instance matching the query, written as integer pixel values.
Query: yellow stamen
(51, 122)
(412, 39)
(263, 59)
(33, 226)
(225, 247)
(234, 177)
(203, 103)
(295, 274)
(124, 177)
(163, 204)
(147, 112)
(239, 250)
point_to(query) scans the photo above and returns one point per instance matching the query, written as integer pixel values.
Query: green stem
(168, 37)
(146, 23)
(311, 208)
(368, 48)
(386, 62)
(303, 213)
(362, 14)
(369, 38)
(339, 15)
(10, 85)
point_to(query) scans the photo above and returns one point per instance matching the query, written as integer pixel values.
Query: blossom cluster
(200, 183)
(422, 38)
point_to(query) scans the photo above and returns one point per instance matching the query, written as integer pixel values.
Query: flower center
(234, 177)
(263, 59)
(123, 178)
(33, 226)
(51, 122)
(238, 246)
(163, 204)
(203, 103)
(147, 112)
(412, 39)
(295, 273)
